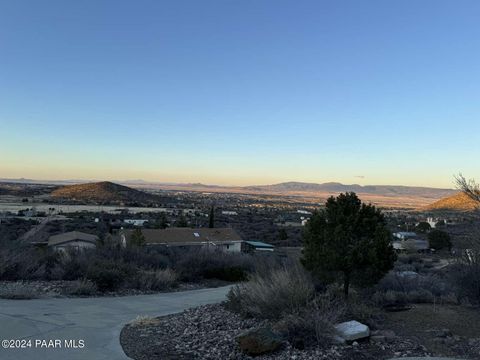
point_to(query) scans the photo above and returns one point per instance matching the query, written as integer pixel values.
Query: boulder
(352, 330)
(258, 341)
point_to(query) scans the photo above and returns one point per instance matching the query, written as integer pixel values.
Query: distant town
(36, 211)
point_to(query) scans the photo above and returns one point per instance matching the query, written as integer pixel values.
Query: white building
(404, 235)
(135, 222)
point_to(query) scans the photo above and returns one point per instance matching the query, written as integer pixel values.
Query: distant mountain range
(335, 187)
(382, 195)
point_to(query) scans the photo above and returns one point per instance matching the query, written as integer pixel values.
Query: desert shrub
(147, 257)
(226, 273)
(439, 239)
(395, 289)
(362, 309)
(155, 280)
(194, 265)
(17, 292)
(51, 262)
(75, 264)
(409, 262)
(390, 298)
(465, 277)
(450, 298)
(409, 258)
(420, 296)
(108, 275)
(405, 267)
(21, 264)
(271, 295)
(314, 324)
(397, 282)
(82, 288)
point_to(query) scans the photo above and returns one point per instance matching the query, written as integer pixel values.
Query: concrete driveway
(96, 321)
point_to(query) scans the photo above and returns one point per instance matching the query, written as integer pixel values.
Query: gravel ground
(208, 332)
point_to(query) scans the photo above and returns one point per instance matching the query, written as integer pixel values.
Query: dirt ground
(445, 330)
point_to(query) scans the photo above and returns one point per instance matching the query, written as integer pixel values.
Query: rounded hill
(102, 192)
(456, 202)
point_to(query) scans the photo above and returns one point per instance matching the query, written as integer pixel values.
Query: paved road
(39, 227)
(97, 321)
(425, 358)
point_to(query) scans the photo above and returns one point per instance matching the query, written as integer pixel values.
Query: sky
(241, 92)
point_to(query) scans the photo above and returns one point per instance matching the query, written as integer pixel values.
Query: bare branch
(468, 187)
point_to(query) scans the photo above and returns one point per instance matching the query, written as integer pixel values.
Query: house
(256, 246)
(72, 240)
(224, 239)
(135, 222)
(404, 235)
(289, 223)
(417, 245)
(231, 213)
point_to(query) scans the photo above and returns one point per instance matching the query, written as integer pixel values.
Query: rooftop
(259, 244)
(187, 235)
(71, 236)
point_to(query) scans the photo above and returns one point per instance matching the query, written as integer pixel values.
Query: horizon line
(158, 182)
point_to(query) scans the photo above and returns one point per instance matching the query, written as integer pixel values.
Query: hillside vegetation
(102, 192)
(456, 202)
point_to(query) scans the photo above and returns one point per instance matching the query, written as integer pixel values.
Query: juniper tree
(182, 221)
(211, 218)
(348, 239)
(137, 238)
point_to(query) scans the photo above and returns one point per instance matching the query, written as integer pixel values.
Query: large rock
(352, 330)
(258, 341)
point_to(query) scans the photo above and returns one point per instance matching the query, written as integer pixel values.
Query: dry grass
(156, 280)
(144, 320)
(272, 295)
(82, 288)
(17, 292)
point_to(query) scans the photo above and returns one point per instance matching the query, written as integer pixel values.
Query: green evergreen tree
(348, 239)
(211, 218)
(137, 238)
(423, 227)
(162, 222)
(439, 239)
(182, 221)
(282, 235)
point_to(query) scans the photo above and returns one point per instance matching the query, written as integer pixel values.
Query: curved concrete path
(425, 358)
(96, 321)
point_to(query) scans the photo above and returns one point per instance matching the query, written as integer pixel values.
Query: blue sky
(241, 92)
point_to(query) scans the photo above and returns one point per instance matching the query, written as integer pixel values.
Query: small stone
(377, 338)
